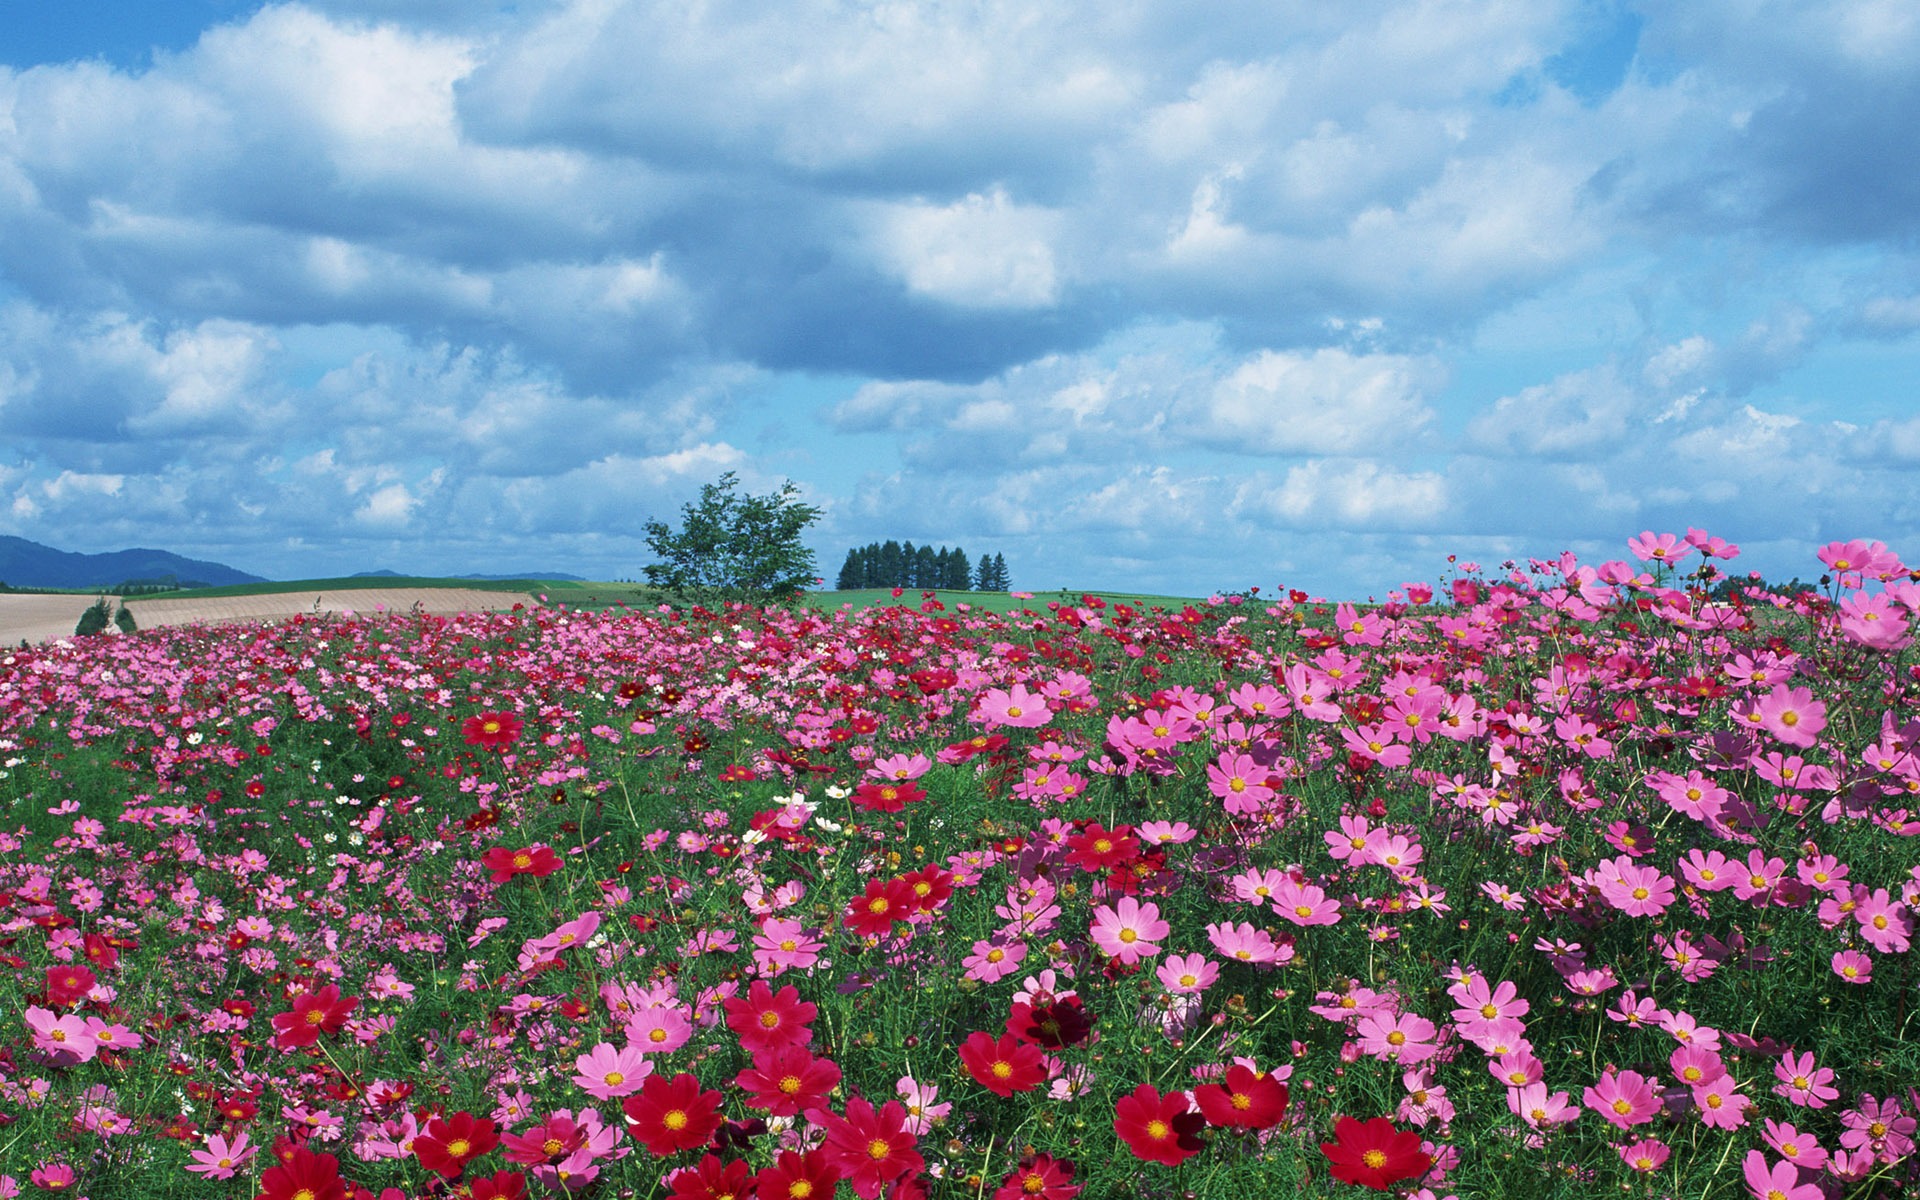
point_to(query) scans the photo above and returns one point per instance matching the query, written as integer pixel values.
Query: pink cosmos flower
(1240, 783)
(1803, 1082)
(781, 944)
(64, 1036)
(1853, 966)
(1015, 707)
(1720, 1106)
(1349, 840)
(1645, 1156)
(1538, 1109)
(1406, 1038)
(1624, 1099)
(1800, 1149)
(918, 1098)
(1187, 974)
(1305, 904)
(659, 1030)
(222, 1159)
(1781, 1181)
(1129, 930)
(992, 961)
(1241, 941)
(1659, 547)
(608, 1072)
(1884, 922)
(1792, 715)
(1880, 1126)
(1634, 889)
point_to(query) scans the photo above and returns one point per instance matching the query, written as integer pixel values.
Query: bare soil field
(44, 618)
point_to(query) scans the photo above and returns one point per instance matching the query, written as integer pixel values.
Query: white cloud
(1351, 494)
(1326, 402)
(983, 251)
(1577, 415)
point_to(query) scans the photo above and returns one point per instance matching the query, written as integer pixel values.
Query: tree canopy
(735, 546)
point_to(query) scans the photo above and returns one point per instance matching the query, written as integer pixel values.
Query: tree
(98, 616)
(124, 619)
(735, 547)
(852, 573)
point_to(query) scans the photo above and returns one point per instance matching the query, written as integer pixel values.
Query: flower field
(1553, 880)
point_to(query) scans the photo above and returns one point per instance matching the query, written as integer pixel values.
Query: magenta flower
(1853, 966)
(1804, 1083)
(1791, 715)
(608, 1072)
(1017, 707)
(222, 1159)
(1187, 974)
(1129, 930)
(1624, 1099)
(1406, 1038)
(1781, 1181)
(1884, 922)
(782, 945)
(66, 1037)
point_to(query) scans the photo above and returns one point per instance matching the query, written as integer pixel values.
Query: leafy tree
(958, 572)
(735, 547)
(124, 620)
(98, 616)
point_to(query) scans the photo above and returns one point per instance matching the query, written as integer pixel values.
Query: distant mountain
(383, 573)
(29, 564)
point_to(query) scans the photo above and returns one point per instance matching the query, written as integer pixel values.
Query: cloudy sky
(1143, 295)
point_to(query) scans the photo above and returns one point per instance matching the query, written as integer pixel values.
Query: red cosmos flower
(1374, 1154)
(712, 1180)
(787, 1081)
(871, 1148)
(313, 1014)
(1099, 849)
(884, 902)
(100, 952)
(1003, 1065)
(1061, 1023)
(670, 1115)
(1038, 1178)
(491, 730)
(736, 774)
(68, 984)
(794, 1177)
(501, 1185)
(1247, 1101)
(1158, 1128)
(451, 1142)
(931, 886)
(767, 1020)
(888, 797)
(548, 1142)
(537, 861)
(303, 1175)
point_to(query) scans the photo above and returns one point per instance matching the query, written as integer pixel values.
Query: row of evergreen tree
(893, 564)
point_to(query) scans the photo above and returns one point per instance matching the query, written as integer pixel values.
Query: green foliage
(98, 616)
(735, 547)
(891, 565)
(123, 620)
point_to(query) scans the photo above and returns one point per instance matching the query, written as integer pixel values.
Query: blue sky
(1144, 296)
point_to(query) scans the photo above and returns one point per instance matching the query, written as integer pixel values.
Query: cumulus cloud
(1326, 402)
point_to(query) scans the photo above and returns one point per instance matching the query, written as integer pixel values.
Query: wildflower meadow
(1552, 880)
